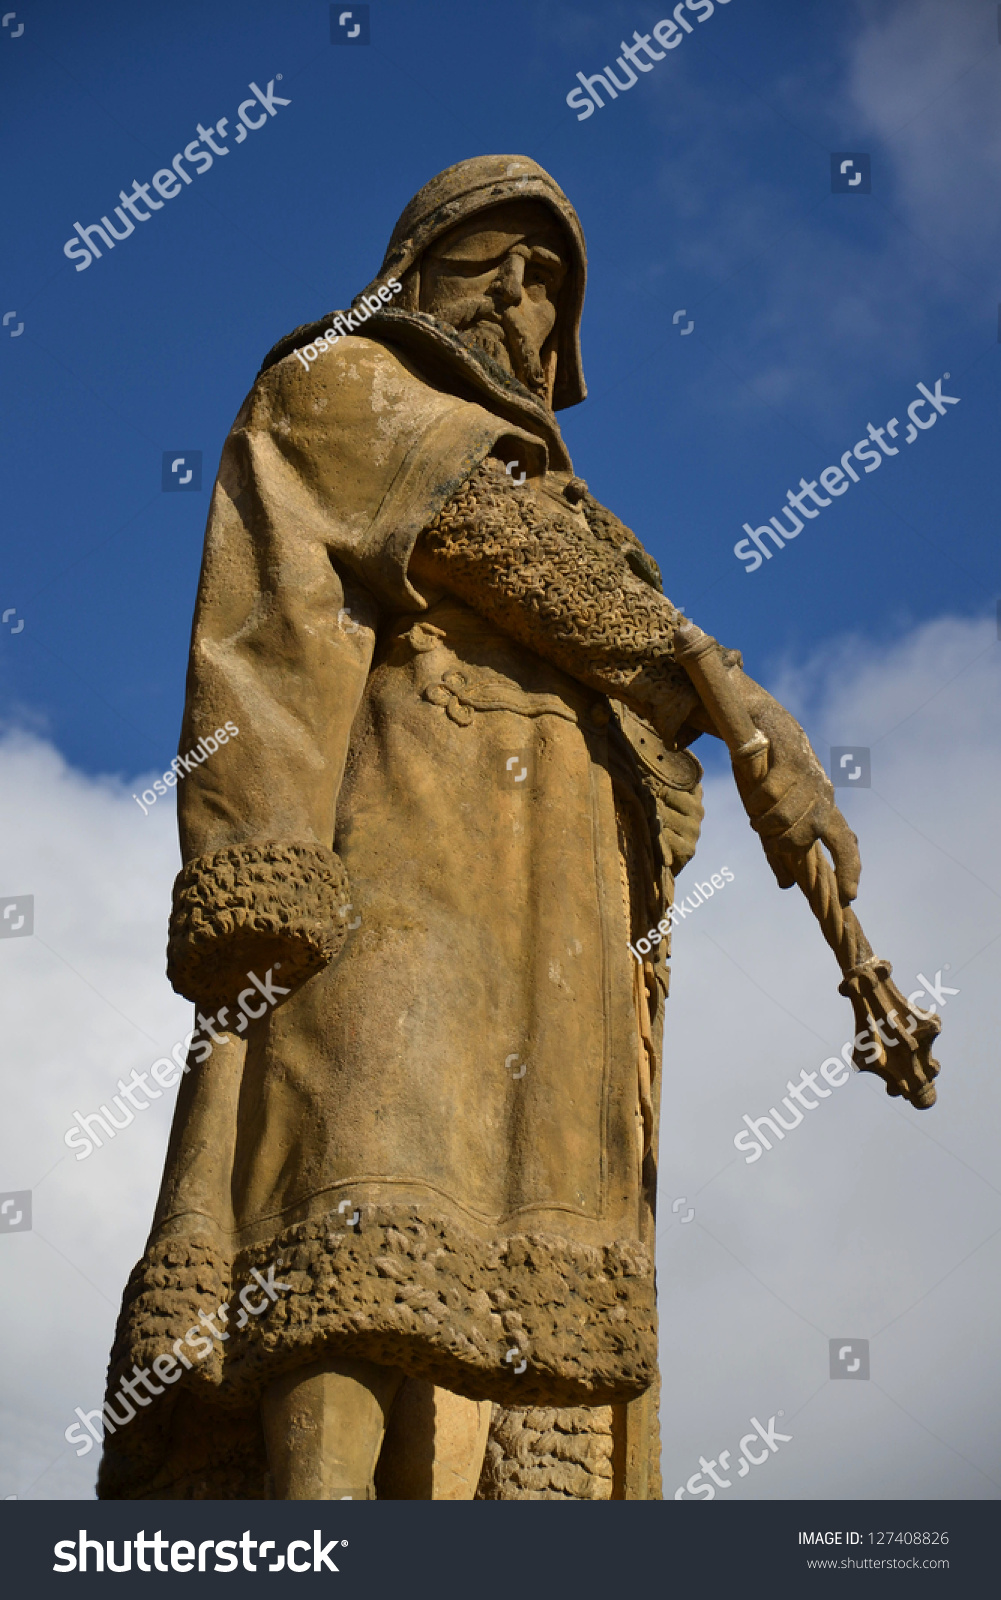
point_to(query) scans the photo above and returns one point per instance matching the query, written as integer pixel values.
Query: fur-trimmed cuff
(252, 905)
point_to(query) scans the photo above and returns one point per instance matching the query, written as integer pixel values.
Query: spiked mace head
(903, 1056)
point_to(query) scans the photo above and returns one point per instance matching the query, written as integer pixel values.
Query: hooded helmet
(460, 192)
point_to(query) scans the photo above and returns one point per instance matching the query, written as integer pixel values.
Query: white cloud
(799, 306)
(923, 80)
(85, 1001)
(869, 1216)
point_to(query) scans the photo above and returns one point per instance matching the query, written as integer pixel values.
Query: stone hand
(793, 805)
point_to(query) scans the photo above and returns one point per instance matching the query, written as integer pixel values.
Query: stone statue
(404, 1241)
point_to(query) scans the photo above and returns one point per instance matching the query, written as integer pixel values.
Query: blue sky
(706, 187)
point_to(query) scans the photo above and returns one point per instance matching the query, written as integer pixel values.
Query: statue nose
(506, 287)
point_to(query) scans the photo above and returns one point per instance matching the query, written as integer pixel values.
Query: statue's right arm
(281, 649)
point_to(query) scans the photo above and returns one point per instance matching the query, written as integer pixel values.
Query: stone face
(460, 793)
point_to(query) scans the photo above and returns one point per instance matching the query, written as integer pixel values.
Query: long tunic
(442, 1139)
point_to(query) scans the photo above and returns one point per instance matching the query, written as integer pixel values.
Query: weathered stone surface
(460, 792)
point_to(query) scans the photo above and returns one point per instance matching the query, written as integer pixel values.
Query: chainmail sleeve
(564, 583)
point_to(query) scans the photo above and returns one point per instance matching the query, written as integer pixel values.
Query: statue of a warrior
(404, 1241)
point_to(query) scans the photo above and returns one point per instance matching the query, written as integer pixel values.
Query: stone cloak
(437, 1138)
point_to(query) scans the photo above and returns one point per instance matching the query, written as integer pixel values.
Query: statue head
(497, 280)
(493, 248)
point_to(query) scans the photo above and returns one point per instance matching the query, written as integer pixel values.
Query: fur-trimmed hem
(549, 1453)
(525, 1319)
(270, 903)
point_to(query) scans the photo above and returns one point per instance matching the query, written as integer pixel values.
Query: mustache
(476, 308)
(527, 365)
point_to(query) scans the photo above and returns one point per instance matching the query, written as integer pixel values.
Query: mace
(904, 1061)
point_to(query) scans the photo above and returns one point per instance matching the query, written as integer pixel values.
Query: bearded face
(496, 280)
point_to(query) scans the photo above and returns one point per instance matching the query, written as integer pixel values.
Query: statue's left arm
(587, 604)
(793, 805)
